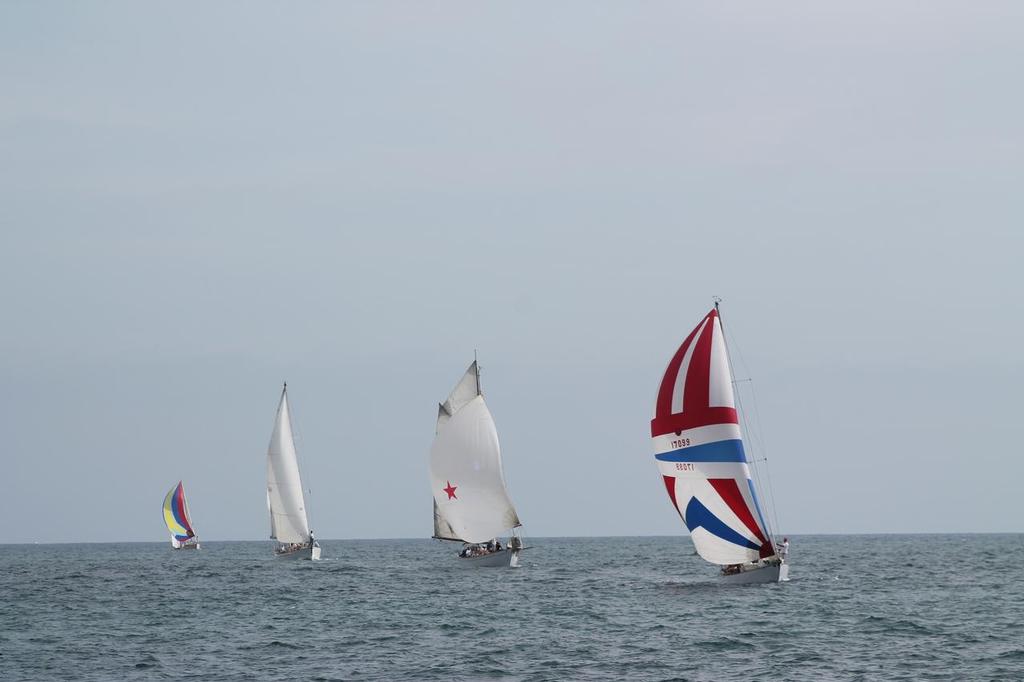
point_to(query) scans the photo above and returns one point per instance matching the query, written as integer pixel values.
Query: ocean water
(921, 607)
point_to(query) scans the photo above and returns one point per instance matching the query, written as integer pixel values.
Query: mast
(476, 368)
(742, 415)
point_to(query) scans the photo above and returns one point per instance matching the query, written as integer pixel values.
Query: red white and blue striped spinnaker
(699, 450)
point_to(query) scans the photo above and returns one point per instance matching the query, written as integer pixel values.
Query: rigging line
(757, 438)
(757, 434)
(753, 461)
(764, 450)
(739, 400)
(752, 426)
(745, 425)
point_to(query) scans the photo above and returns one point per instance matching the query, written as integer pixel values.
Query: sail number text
(681, 443)
(684, 466)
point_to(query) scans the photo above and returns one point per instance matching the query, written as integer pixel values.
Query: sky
(198, 204)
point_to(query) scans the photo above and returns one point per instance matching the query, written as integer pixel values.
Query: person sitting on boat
(497, 545)
(784, 549)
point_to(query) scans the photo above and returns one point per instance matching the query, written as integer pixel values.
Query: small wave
(895, 625)
(148, 662)
(725, 644)
(1014, 655)
(273, 644)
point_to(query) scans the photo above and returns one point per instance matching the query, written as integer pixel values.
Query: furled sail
(288, 522)
(699, 450)
(175, 512)
(471, 502)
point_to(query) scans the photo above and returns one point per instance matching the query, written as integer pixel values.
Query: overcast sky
(199, 203)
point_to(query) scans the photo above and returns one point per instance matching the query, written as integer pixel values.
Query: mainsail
(288, 522)
(175, 513)
(699, 449)
(471, 502)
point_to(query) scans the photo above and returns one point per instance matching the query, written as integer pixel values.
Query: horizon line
(545, 537)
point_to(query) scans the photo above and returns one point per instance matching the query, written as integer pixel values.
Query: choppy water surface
(858, 608)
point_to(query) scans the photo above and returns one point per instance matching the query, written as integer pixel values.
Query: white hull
(765, 574)
(505, 557)
(308, 553)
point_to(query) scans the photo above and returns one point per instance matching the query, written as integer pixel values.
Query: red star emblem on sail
(450, 490)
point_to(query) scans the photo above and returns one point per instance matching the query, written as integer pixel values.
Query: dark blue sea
(891, 607)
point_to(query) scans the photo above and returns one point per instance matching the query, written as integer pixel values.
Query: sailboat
(699, 449)
(471, 501)
(289, 524)
(176, 517)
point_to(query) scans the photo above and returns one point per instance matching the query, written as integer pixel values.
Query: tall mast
(753, 462)
(476, 369)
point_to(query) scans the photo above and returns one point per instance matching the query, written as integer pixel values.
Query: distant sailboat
(176, 517)
(289, 524)
(699, 449)
(471, 502)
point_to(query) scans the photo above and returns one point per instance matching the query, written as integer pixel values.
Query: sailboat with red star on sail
(471, 500)
(699, 449)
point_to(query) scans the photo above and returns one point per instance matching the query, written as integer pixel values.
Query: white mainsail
(288, 522)
(471, 502)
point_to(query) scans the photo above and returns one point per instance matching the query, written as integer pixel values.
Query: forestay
(288, 522)
(699, 450)
(471, 502)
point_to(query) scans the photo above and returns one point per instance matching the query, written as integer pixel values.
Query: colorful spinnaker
(699, 450)
(175, 512)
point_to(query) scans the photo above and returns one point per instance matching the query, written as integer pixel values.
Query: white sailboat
(471, 501)
(289, 524)
(699, 449)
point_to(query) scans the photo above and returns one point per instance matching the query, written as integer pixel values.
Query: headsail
(175, 513)
(699, 449)
(471, 502)
(288, 521)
